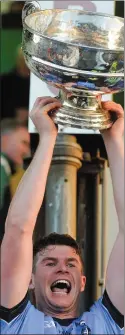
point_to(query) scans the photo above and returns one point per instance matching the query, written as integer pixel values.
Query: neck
(60, 314)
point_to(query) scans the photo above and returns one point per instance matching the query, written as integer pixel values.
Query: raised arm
(16, 250)
(113, 139)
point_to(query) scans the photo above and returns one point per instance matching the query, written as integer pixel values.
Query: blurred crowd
(15, 90)
(11, 6)
(15, 138)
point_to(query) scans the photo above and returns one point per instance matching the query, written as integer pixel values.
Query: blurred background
(94, 220)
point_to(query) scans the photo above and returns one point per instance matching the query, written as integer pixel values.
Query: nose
(62, 268)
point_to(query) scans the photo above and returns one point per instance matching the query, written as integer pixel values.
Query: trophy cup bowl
(82, 54)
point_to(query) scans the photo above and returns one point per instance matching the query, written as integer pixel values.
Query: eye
(70, 265)
(50, 264)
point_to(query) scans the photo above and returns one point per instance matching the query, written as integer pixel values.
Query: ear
(83, 282)
(31, 284)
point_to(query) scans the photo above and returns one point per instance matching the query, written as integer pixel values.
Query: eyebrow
(49, 259)
(71, 259)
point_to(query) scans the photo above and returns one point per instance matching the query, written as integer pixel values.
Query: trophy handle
(29, 8)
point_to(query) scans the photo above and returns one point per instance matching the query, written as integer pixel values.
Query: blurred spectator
(16, 6)
(15, 90)
(15, 146)
(12, 6)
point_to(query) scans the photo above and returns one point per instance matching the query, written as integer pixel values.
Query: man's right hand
(42, 117)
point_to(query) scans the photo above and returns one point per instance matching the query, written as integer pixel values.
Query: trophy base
(82, 110)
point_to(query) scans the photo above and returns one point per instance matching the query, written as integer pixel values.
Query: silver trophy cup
(82, 54)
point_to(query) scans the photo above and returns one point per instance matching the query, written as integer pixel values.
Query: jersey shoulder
(27, 321)
(103, 318)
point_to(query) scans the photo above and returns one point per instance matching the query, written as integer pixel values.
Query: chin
(61, 302)
(61, 306)
(19, 162)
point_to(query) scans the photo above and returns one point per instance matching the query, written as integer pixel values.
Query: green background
(10, 39)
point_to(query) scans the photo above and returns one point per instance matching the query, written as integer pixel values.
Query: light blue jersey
(31, 321)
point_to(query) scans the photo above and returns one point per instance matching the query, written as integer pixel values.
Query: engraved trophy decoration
(82, 54)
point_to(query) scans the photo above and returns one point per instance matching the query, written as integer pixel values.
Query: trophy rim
(70, 43)
(78, 71)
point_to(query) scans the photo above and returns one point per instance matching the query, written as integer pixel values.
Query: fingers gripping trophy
(82, 54)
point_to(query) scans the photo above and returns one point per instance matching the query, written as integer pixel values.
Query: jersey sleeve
(110, 320)
(24, 318)
(8, 314)
(11, 319)
(112, 310)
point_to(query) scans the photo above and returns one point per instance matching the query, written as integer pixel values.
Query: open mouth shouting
(61, 286)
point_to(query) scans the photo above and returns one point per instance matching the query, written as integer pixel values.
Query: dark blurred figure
(16, 6)
(15, 90)
(15, 146)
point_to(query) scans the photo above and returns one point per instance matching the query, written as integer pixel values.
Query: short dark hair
(56, 239)
(9, 125)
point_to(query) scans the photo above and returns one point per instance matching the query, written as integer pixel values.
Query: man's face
(18, 145)
(58, 279)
